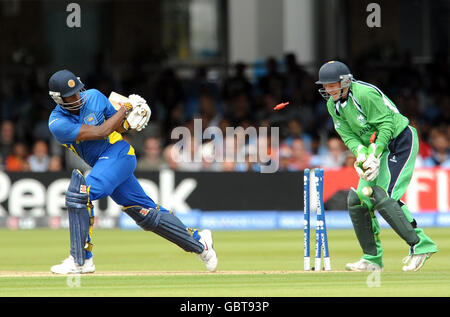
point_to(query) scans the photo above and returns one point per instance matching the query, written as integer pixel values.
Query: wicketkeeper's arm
(350, 139)
(379, 116)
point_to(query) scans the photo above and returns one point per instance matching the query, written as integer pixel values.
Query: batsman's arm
(92, 132)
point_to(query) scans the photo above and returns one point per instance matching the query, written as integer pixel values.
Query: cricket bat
(114, 98)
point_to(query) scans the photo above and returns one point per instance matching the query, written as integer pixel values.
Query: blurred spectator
(152, 160)
(171, 156)
(209, 162)
(295, 130)
(425, 149)
(350, 159)
(39, 160)
(55, 164)
(169, 93)
(17, 161)
(334, 157)
(10, 103)
(238, 83)
(199, 86)
(249, 164)
(285, 156)
(295, 74)
(300, 157)
(6, 138)
(232, 151)
(316, 149)
(441, 150)
(208, 111)
(239, 109)
(41, 129)
(273, 82)
(191, 157)
(100, 77)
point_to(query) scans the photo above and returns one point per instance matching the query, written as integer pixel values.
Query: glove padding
(136, 100)
(371, 165)
(359, 170)
(138, 117)
(361, 154)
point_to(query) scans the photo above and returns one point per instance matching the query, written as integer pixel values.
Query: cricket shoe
(363, 265)
(415, 261)
(208, 256)
(68, 266)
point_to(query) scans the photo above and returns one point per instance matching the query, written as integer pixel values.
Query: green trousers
(396, 169)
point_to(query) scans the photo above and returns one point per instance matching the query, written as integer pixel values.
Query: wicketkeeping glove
(371, 165)
(361, 154)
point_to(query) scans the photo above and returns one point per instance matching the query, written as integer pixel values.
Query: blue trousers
(112, 175)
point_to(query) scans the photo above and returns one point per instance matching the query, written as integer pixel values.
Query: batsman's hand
(139, 117)
(136, 100)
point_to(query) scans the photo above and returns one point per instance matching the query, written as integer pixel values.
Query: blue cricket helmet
(334, 72)
(62, 84)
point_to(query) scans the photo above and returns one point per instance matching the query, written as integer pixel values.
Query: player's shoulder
(57, 112)
(58, 117)
(95, 99)
(362, 90)
(93, 93)
(330, 104)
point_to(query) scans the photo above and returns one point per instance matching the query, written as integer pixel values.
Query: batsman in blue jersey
(85, 122)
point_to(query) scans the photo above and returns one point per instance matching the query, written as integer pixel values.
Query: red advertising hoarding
(428, 190)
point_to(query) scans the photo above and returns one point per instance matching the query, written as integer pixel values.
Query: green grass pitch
(251, 264)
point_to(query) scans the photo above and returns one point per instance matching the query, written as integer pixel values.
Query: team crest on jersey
(91, 119)
(362, 120)
(71, 83)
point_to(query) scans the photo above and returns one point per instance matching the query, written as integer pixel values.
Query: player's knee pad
(391, 211)
(362, 223)
(80, 220)
(165, 224)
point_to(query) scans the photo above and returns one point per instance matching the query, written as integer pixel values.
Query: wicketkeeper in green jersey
(385, 146)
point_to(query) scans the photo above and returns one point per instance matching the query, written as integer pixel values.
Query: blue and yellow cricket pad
(166, 225)
(80, 217)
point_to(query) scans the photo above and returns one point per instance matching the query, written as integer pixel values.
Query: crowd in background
(244, 99)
